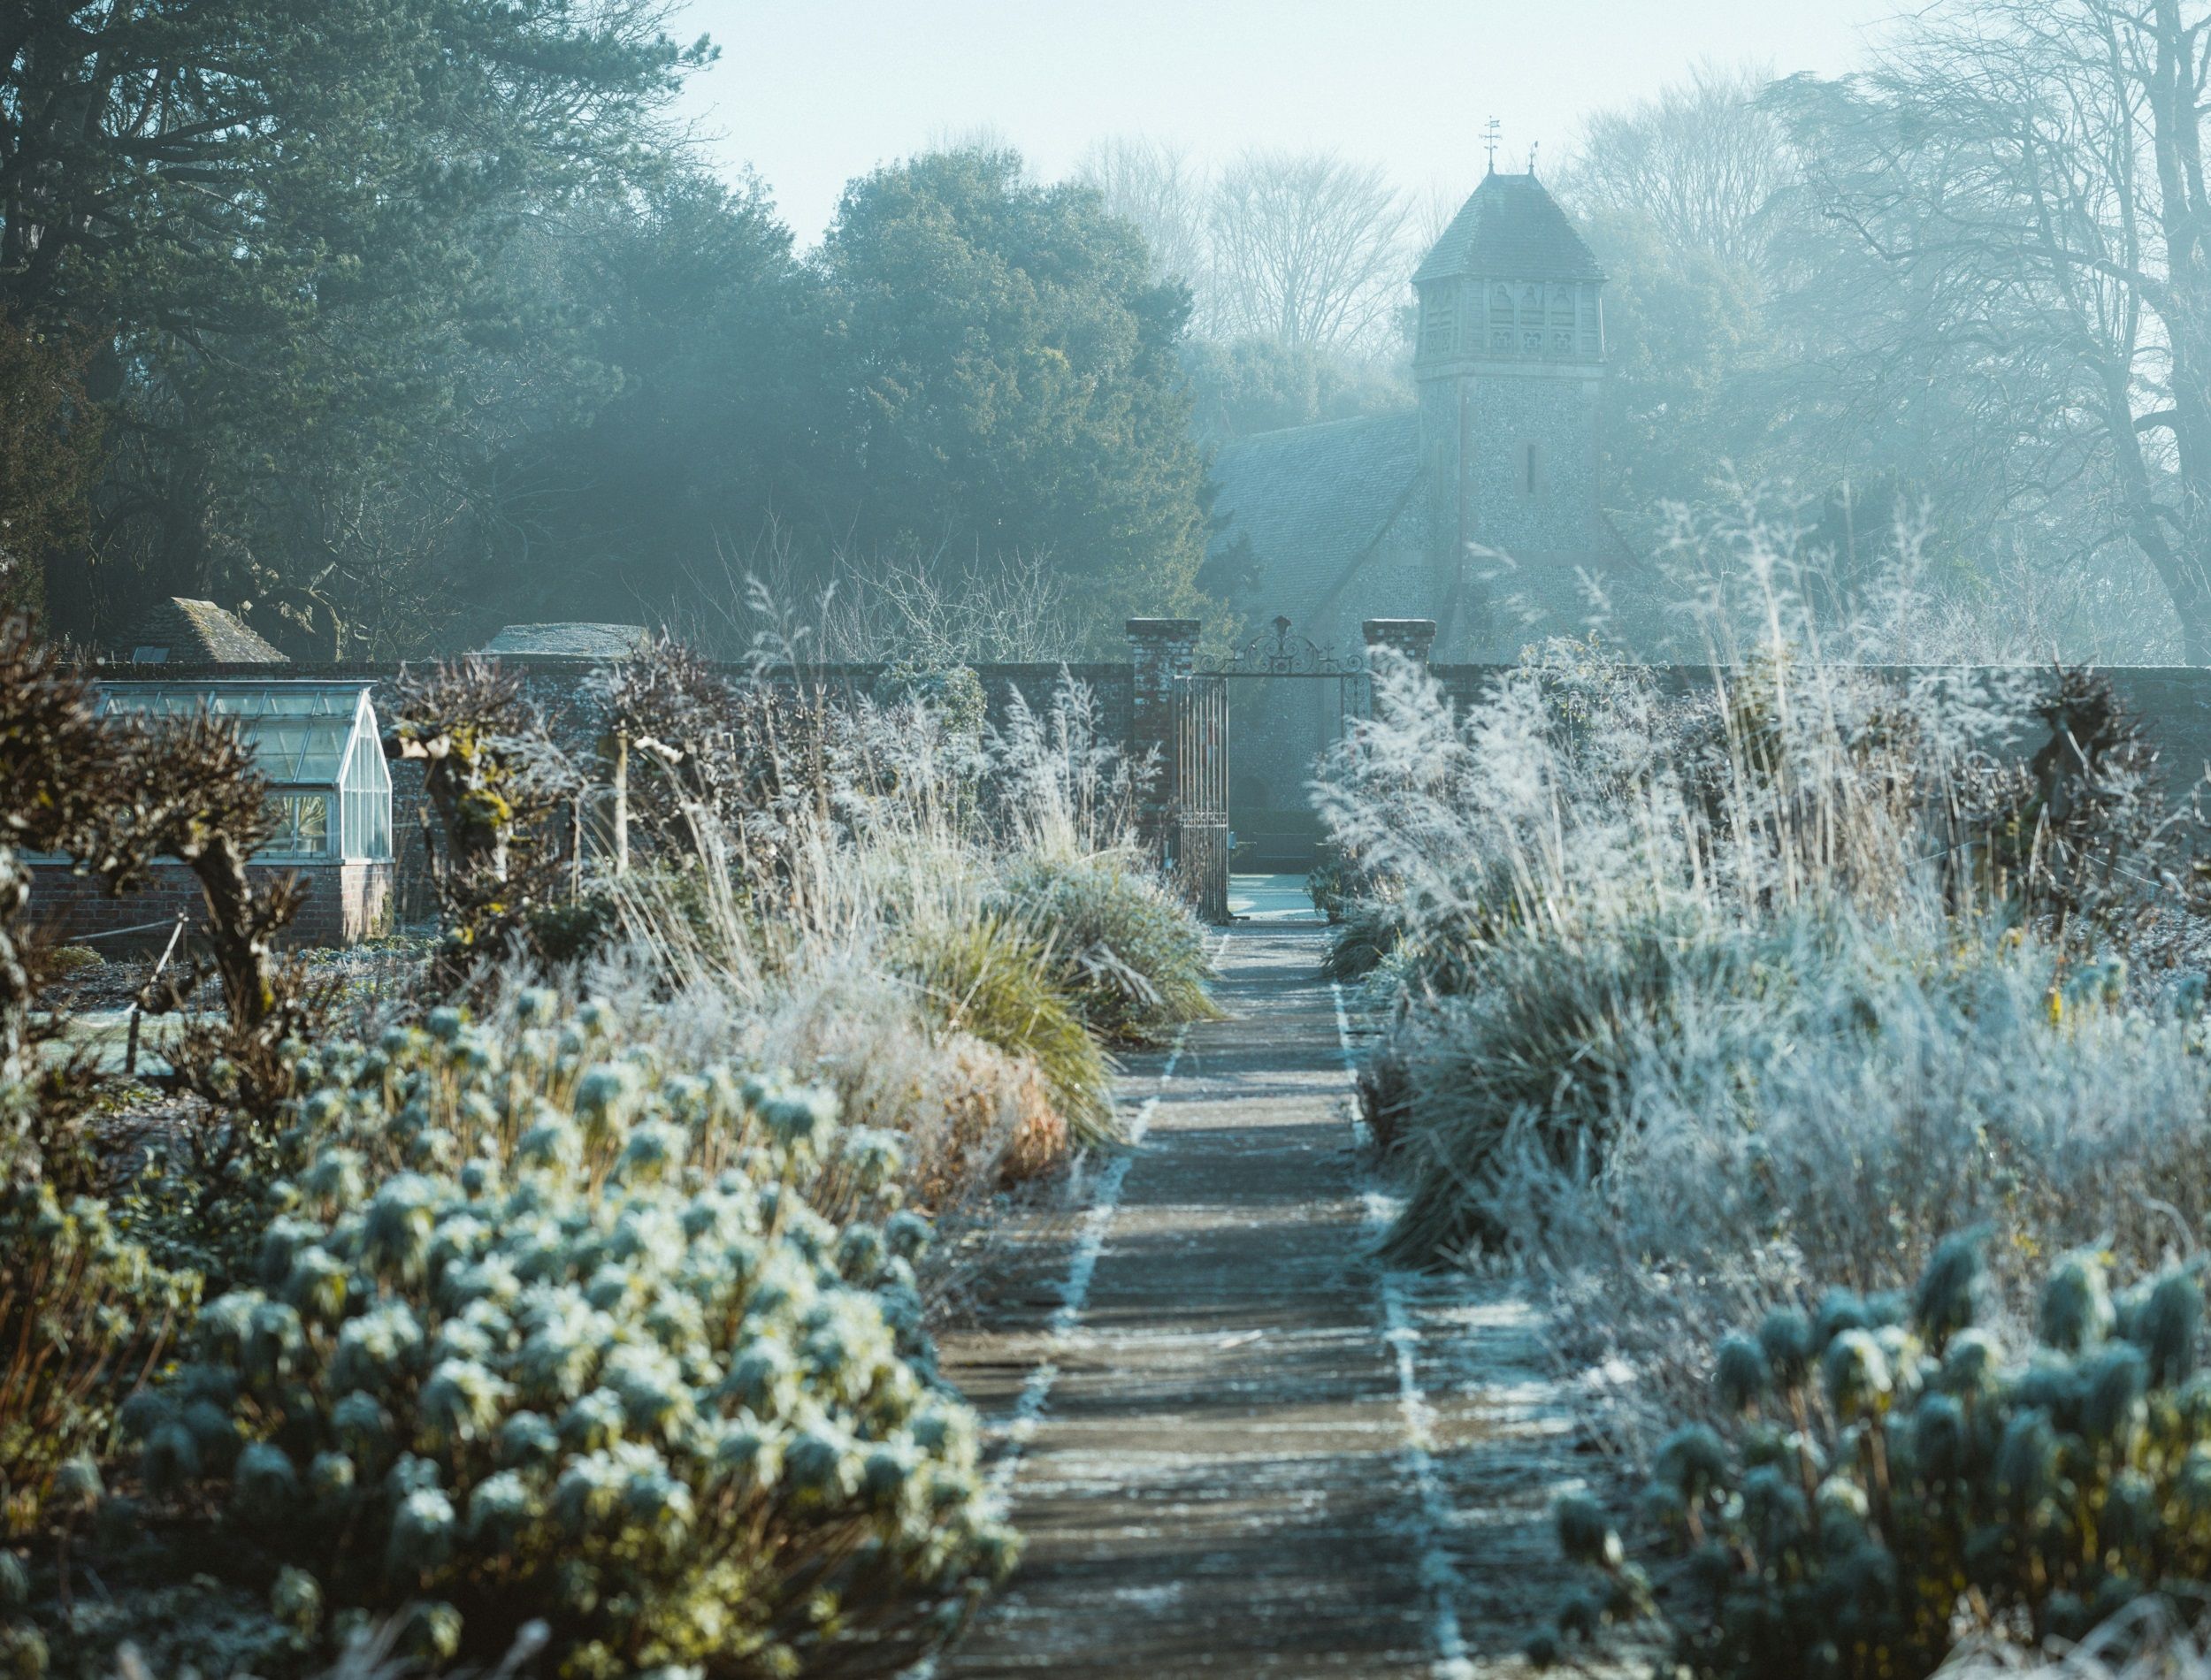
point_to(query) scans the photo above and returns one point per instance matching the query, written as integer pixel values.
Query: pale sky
(811, 93)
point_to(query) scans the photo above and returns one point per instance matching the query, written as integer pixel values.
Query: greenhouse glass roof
(300, 732)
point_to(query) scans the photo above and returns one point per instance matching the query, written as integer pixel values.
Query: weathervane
(1491, 134)
(1532, 150)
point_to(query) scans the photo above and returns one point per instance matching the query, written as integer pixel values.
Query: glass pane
(303, 825)
(368, 828)
(299, 731)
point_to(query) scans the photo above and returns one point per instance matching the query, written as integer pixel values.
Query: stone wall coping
(386, 671)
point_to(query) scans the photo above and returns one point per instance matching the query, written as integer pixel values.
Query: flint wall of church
(1552, 412)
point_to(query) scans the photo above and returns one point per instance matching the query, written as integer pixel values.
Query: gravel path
(1235, 1445)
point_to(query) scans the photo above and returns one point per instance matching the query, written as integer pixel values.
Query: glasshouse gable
(320, 746)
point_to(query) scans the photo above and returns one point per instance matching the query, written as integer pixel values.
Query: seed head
(297, 1600)
(499, 1508)
(749, 1453)
(2077, 1304)
(76, 1486)
(400, 1218)
(2166, 1326)
(821, 1462)
(170, 1458)
(1584, 1536)
(1774, 1509)
(593, 1422)
(2026, 1460)
(1692, 1461)
(2118, 1375)
(266, 1484)
(1938, 1426)
(1785, 1338)
(1840, 1311)
(1947, 1301)
(463, 1400)
(1739, 1375)
(422, 1533)
(907, 1234)
(1858, 1374)
(331, 1479)
(362, 1426)
(527, 1439)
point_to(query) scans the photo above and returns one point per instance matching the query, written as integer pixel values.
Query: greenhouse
(317, 744)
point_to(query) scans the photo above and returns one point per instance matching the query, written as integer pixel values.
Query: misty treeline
(1970, 284)
(391, 320)
(1967, 287)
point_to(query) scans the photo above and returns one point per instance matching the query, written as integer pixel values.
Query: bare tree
(2029, 174)
(1705, 160)
(1308, 249)
(927, 610)
(1154, 185)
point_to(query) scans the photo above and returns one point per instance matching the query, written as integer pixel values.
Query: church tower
(1509, 363)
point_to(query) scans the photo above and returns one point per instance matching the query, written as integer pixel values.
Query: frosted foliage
(1572, 793)
(1699, 1001)
(937, 918)
(626, 1344)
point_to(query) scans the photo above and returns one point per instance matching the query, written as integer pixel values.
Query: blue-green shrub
(546, 1331)
(1129, 955)
(1889, 1479)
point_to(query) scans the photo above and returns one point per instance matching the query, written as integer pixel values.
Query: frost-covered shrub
(84, 1315)
(1890, 1480)
(1825, 1103)
(1131, 955)
(954, 692)
(551, 1330)
(991, 979)
(1532, 1069)
(969, 1117)
(1617, 904)
(1363, 933)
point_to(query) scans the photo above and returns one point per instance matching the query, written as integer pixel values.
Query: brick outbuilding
(320, 745)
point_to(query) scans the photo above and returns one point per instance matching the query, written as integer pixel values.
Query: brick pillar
(1411, 637)
(1159, 651)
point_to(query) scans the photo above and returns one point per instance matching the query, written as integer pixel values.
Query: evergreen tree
(1009, 383)
(283, 220)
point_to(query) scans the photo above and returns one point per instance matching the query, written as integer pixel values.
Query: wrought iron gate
(1198, 838)
(1195, 832)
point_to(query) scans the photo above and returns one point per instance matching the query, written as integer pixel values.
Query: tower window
(1528, 467)
(1437, 339)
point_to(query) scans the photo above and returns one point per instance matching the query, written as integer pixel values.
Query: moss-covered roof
(180, 631)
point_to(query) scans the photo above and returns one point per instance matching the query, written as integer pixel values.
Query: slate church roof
(1511, 229)
(179, 631)
(1316, 502)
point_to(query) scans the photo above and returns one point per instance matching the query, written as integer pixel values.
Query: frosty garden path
(1235, 1446)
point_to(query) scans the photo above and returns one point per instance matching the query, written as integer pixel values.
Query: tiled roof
(189, 632)
(1510, 229)
(570, 641)
(1315, 501)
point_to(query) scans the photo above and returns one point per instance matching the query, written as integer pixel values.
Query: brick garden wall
(346, 903)
(404, 894)
(1129, 698)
